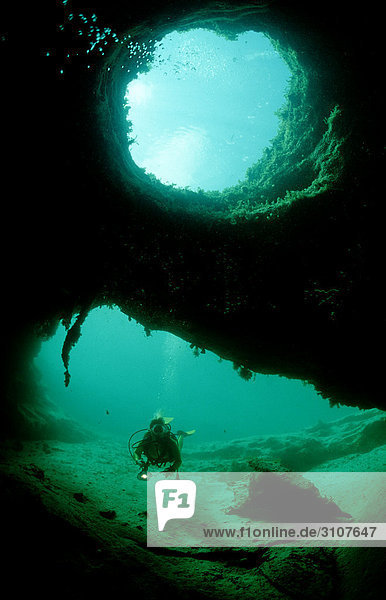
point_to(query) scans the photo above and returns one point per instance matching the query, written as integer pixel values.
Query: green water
(120, 377)
(206, 109)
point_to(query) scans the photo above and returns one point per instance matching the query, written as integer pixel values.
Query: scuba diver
(159, 445)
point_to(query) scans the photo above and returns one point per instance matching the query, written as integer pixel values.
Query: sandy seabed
(83, 502)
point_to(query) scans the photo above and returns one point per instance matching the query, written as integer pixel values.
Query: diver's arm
(175, 466)
(177, 462)
(137, 454)
(141, 448)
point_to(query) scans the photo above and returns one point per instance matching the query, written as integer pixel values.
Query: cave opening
(121, 376)
(205, 108)
(231, 125)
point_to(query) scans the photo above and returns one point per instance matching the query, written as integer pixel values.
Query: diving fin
(185, 433)
(167, 419)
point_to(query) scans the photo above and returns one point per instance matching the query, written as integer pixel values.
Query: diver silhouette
(160, 446)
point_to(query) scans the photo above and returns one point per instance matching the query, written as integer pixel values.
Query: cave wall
(283, 277)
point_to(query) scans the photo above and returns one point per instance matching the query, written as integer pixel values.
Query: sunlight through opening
(206, 109)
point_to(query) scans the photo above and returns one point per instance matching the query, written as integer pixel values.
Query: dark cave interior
(282, 275)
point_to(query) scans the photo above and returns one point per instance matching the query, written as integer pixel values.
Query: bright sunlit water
(206, 109)
(120, 378)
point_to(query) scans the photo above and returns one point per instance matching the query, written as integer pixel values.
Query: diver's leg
(180, 436)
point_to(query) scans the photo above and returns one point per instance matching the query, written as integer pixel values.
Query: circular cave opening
(220, 118)
(206, 107)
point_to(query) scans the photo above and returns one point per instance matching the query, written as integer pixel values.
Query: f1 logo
(174, 500)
